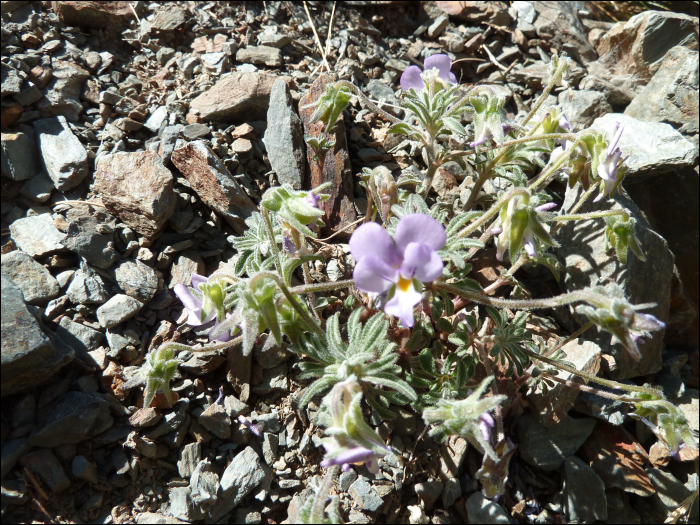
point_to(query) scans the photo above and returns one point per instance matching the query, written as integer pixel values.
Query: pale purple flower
(389, 265)
(194, 306)
(486, 135)
(411, 78)
(355, 455)
(565, 125)
(607, 168)
(486, 423)
(255, 429)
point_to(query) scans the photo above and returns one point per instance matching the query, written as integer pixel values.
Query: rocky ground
(136, 139)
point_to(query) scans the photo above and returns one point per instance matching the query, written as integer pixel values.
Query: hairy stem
(493, 211)
(494, 388)
(367, 101)
(577, 207)
(310, 321)
(273, 242)
(590, 215)
(322, 287)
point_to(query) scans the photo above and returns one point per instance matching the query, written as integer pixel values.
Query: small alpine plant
(412, 326)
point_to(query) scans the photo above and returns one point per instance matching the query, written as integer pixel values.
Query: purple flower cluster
(197, 316)
(412, 77)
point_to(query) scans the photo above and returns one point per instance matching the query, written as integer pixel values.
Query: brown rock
(334, 167)
(493, 12)
(559, 23)
(268, 56)
(145, 417)
(137, 188)
(236, 96)
(637, 47)
(40, 75)
(216, 420)
(213, 183)
(93, 15)
(9, 115)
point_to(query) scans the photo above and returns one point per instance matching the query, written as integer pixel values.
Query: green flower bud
(620, 235)
(295, 207)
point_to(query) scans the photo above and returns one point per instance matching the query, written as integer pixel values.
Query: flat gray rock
(588, 264)
(548, 447)
(672, 94)
(80, 337)
(136, 280)
(364, 495)
(45, 466)
(482, 510)
(91, 237)
(62, 93)
(37, 235)
(118, 309)
(87, 287)
(12, 450)
(37, 284)
(19, 156)
(284, 137)
(584, 107)
(243, 474)
(76, 417)
(584, 493)
(63, 154)
(29, 355)
(38, 188)
(653, 147)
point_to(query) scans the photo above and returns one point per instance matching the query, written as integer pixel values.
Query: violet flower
(199, 313)
(486, 423)
(610, 164)
(354, 455)
(412, 77)
(565, 125)
(390, 265)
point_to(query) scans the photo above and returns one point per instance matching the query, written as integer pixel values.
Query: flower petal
(422, 262)
(193, 304)
(222, 337)
(411, 79)
(401, 305)
(372, 239)
(371, 274)
(419, 228)
(443, 64)
(197, 280)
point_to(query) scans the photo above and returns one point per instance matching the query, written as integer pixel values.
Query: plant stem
(361, 96)
(592, 298)
(322, 287)
(493, 211)
(210, 348)
(494, 388)
(273, 242)
(433, 166)
(591, 215)
(570, 338)
(310, 321)
(590, 377)
(578, 205)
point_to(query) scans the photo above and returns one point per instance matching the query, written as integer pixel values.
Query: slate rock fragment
(37, 284)
(64, 156)
(37, 235)
(284, 137)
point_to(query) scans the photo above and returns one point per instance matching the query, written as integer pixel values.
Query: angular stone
(272, 380)
(62, 93)
(284, 137)
(118, 309)
(216, 420)
(495, 12)
(213, 183)
(45, 466)
(584, 493)
(93, 15)
(584, 107)
(243, 474)
(75, 417)
(548, 447)
(182, 506)
(12, 450)
(428, 492)
(188, 262)
(653, 148)
(551, 407)
(204, 485)
(559, 23)
(671, 95)
(19, 157)
(29, 356)
(589, 264)
(482, 510)
(364, 495)
(137, 280)
(63, 154)
(87, 287)
(277, 40)
(339, 210)
(196, 131)
(37, 236)
(637, 47)
(237, 95)
(91, 236)
(438, 26)
(451, 493)
(38, 188)
(137, 188)
(145, 417)
(37, 284)
(84, 469)
(190, 456)
(268, 56)
(80, 337)
(670, 492)
(168, 19)
(155, 121)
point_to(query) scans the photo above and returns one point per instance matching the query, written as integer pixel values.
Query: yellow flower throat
(403, 284)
